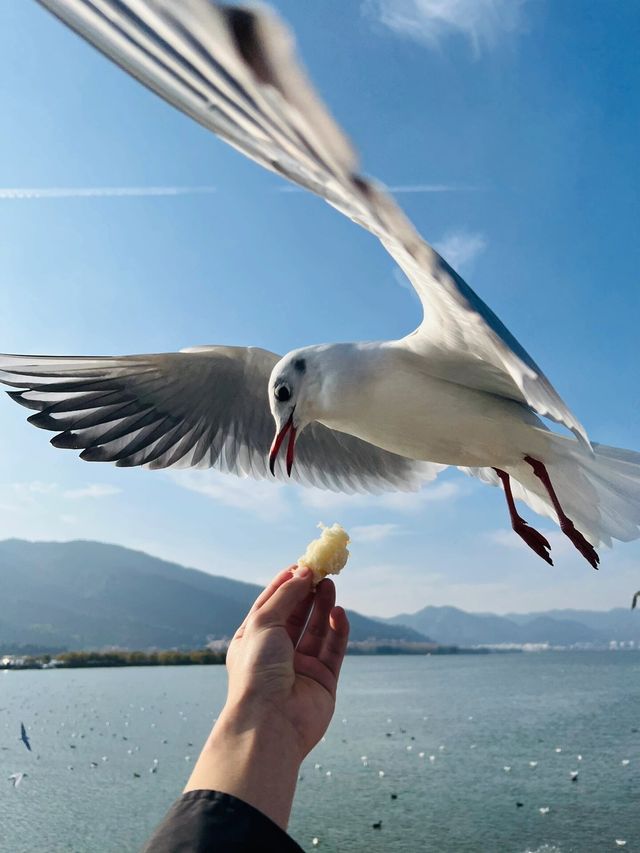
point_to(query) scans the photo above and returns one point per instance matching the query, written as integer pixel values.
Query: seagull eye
(283, 393)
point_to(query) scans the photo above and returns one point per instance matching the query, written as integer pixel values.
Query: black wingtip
(44, 421)
(17, 396)
(66, 440)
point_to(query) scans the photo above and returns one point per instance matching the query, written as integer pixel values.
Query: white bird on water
(459, 390)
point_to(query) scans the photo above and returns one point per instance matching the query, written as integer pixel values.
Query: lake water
(470, 717)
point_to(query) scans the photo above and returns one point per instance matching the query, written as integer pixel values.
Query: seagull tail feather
(599, 491)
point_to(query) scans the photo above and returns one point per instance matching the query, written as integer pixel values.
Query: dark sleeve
(212, 822)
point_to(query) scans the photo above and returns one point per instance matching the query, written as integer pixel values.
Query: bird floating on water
(460, 390)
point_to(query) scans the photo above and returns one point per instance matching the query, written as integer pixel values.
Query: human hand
(285, 658)
(283, 669)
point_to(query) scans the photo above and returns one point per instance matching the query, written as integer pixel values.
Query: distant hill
(557, 627)
(87, 595)
(620, 624)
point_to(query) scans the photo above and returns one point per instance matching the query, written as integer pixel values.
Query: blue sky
(513, 123)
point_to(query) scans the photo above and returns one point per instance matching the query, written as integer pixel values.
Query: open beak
(277, 444)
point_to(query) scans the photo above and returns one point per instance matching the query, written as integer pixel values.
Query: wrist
(254, 756)
(260, 729)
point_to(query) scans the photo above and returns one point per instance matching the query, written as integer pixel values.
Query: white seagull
(16, 778)
(459, 390)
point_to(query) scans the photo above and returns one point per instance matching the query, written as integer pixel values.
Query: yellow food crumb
(327, 555)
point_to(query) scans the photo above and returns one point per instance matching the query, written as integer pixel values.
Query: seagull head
(293, 390)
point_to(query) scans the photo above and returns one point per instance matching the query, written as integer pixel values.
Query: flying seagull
(24, 737)
(16, 778)
(459, 390)
(634, 601)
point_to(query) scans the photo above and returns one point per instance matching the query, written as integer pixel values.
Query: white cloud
(94, 490)
(21, 495)
(373, 532)
(560, 544)
(329, 501)
(414, 501)
(398, 501)
(263, 498)
(387, 588)
(461, 248)
(37, 487)
(27, 496)
(482, 22)
(23, 193)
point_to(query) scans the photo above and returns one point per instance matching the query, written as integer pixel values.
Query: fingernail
(302, 572)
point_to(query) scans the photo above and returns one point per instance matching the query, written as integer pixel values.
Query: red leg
(532, 537)
(566, 525)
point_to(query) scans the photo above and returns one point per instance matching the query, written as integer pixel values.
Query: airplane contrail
(22, 193)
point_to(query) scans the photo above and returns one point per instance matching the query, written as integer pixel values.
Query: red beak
(277, 444)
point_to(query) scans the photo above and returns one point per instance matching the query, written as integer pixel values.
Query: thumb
(278, 609)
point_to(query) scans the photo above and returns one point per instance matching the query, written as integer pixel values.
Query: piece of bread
(327, 555)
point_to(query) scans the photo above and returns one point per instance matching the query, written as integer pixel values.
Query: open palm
(287, 654)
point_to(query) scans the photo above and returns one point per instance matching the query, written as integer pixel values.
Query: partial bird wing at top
(202, 408)
(234, 71)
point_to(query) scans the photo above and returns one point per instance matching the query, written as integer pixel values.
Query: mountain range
(88, 595)
(557, 627)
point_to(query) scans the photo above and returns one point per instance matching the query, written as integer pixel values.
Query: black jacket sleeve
(213, 822)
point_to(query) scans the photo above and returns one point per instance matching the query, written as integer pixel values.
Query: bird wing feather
(204, 408)
(234, 71)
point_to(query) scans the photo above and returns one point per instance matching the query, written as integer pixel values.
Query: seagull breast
(385, 394)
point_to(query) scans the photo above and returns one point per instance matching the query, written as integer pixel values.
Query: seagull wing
(24, 737)
(634, 603)
(206, 407)
(234, 71)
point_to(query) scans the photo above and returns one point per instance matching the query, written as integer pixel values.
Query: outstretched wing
(233, 70)
(204, 408)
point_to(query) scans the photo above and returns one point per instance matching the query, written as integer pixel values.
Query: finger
(335, 643)
(318, 625)
(282, 604)
(299, 617)
(276, 583)
(265, 595)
